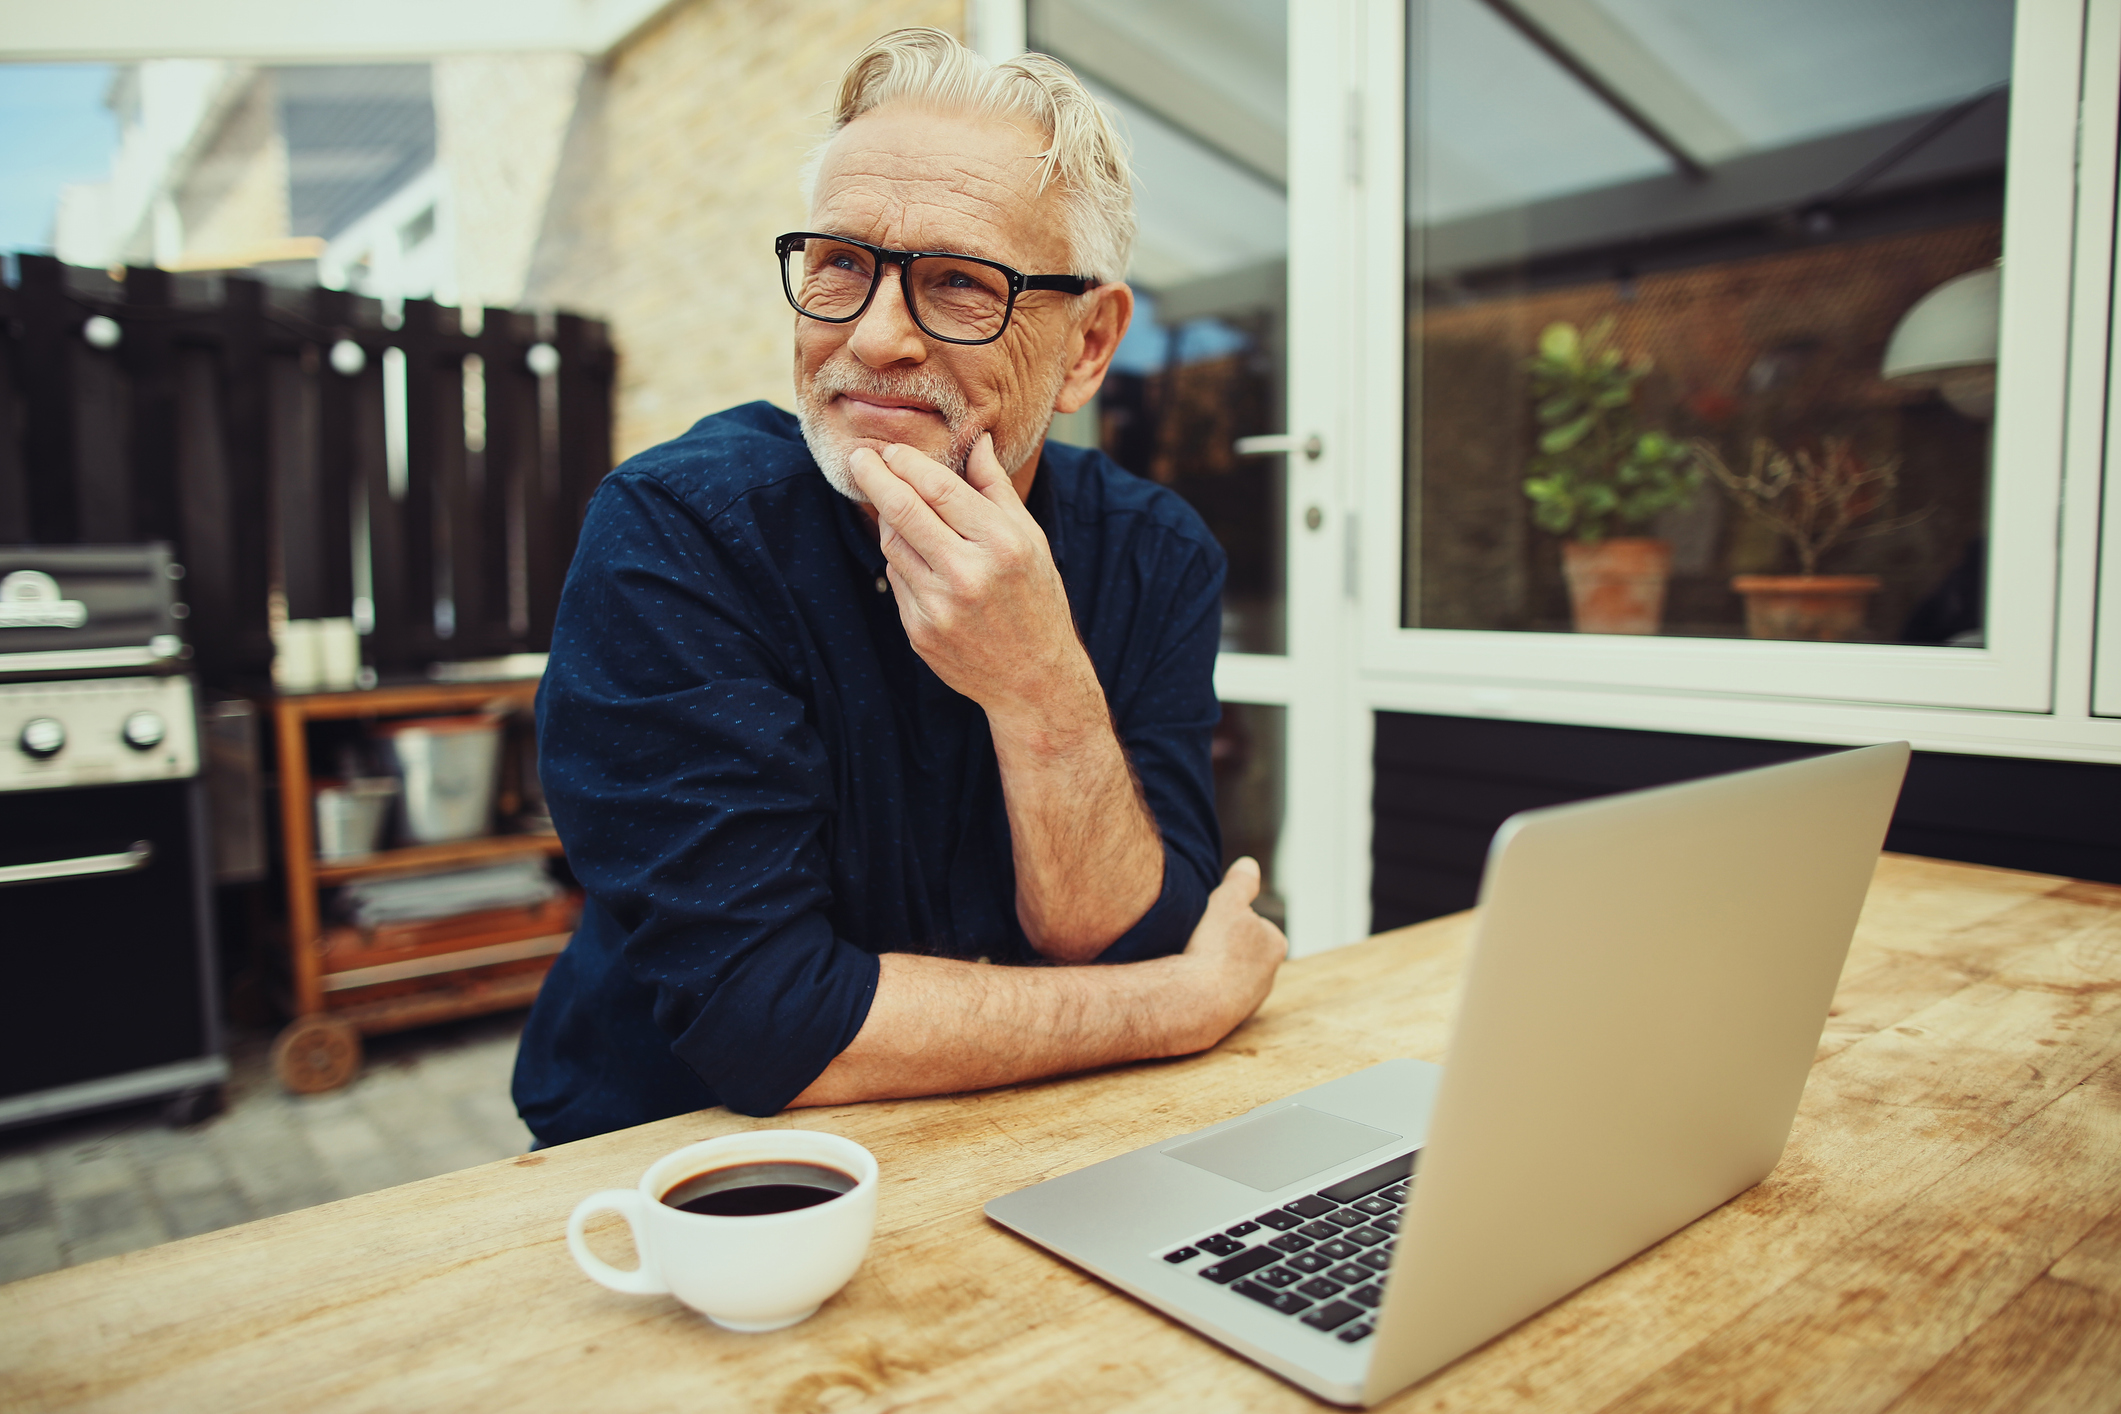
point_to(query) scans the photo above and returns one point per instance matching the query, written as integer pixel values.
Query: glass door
(1196, 399)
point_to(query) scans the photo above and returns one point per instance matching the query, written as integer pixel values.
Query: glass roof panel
(1796, 69)
(1499, 124)
(1235, 47)
(1200, 214)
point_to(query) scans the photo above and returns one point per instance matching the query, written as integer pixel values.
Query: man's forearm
(937, 1026)
(984, 606)
(1089, 861)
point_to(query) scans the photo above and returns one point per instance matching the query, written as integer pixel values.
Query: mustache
(920, 384)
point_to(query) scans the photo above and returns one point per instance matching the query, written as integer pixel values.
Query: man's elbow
(1080, 928)
(1075, 941)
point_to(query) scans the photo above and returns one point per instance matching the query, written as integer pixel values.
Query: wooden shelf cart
(344, 983)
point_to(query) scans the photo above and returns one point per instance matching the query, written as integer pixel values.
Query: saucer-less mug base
(754, 1327)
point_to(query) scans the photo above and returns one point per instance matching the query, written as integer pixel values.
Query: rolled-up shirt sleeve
(694, 795)
(1164, 709)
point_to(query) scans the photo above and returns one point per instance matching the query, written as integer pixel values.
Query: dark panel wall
(1445, 783)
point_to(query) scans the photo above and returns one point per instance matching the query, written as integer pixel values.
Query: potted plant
(1597, 470)
(1815, 502)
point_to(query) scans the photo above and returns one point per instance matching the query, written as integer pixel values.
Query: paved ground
(427, 1102)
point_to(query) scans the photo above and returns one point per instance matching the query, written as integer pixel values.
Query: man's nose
(886, 333)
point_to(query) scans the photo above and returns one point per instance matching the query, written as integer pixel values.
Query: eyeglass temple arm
(1065, 284)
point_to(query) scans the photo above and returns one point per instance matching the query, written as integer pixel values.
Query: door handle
(130, 862)
(1272, 443)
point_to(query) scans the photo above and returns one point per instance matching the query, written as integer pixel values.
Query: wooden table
(1944, 1232)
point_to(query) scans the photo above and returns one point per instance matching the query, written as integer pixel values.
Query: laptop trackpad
(1277, 1149)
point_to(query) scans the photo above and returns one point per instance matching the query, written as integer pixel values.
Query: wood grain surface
(1944, 1232)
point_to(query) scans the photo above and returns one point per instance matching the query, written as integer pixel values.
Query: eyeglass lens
(951, 298)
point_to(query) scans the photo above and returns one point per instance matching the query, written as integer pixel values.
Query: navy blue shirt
(762, 787)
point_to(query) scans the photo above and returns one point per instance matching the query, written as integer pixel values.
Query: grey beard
(842, 375)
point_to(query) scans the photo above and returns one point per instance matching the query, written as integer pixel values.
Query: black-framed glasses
(959, 299)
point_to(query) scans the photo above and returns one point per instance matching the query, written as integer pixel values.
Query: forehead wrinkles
(921, 217)
(939, 182)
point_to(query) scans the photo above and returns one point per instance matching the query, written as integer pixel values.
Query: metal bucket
(447, 766)
(350, 816)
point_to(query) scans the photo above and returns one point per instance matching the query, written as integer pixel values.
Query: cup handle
(644, 1280)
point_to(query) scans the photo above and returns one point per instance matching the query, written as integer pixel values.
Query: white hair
(1085, 155)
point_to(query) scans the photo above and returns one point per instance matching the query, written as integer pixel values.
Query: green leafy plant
(1596, 466)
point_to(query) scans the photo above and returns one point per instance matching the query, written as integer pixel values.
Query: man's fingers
(898, 551)
(1240, 884)
(957, 505)
(902, 505)
(886, 490)
(983, 469)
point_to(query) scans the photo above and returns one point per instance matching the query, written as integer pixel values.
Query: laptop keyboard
(1321, 1258)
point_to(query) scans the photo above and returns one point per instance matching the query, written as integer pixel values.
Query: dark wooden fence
(273, 437)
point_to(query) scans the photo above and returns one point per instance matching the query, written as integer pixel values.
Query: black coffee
(751, 1190)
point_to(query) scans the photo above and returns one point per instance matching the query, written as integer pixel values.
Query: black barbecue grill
(107, 976)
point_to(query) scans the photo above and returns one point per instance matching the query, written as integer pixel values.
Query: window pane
(1200, 90)
(1649, 239)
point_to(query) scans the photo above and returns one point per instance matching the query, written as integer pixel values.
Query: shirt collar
(857, 533)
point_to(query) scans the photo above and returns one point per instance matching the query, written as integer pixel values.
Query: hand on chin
(977, 589)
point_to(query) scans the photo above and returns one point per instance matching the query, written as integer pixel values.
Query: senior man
(866, 728)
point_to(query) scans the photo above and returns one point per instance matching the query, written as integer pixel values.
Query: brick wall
(233, 197)
(678, 170)
(500, 125)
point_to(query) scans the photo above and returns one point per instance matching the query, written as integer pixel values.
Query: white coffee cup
(753, 1273)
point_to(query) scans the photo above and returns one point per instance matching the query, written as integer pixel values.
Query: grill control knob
(143, 731)
(42, 738)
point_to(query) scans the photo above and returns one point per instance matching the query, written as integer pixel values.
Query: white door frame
(2094, 619)
(1323, 862)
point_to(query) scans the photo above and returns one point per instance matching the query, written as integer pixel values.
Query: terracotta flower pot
(1617, 586)
(1819, 608)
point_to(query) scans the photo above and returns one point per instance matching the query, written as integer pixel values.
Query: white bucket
(350, 816)
(447, 766)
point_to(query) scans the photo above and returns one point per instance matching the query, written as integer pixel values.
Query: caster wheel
(190, 1107)
(316, 1053)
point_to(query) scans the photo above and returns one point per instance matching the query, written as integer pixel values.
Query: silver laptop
(1649, 977)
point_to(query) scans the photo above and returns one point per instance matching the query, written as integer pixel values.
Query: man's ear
(1093, 343)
